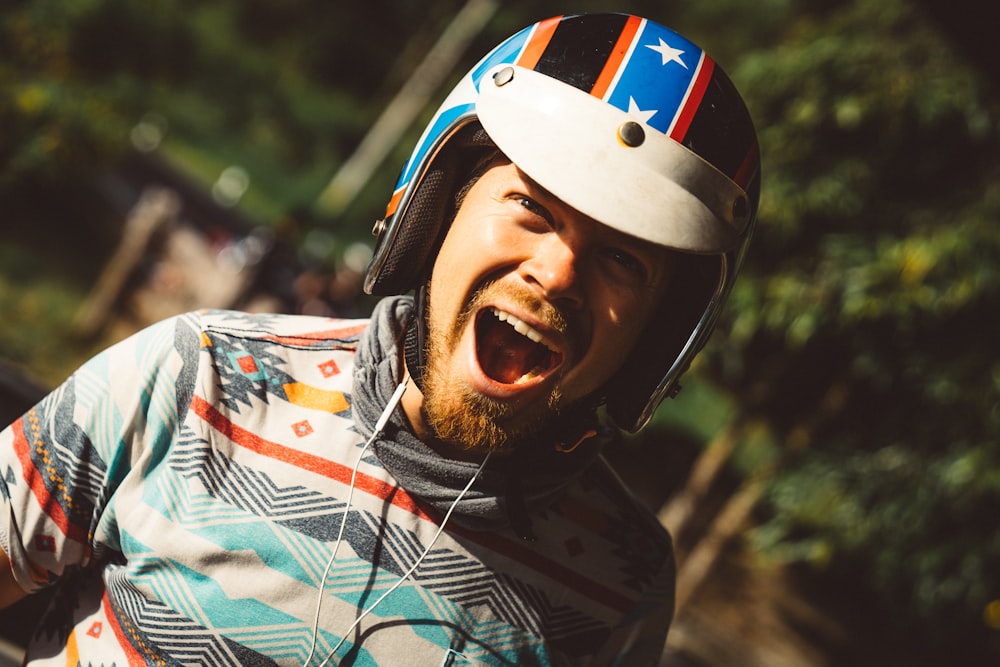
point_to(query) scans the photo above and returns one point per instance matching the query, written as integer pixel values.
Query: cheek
(622, 313)
(495, 237)
(479, 251)
(474, 241)
(616, 346)
(617, 318)
(471, 251)
(618, 325)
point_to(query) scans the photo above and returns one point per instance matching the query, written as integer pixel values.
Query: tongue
(504, 354)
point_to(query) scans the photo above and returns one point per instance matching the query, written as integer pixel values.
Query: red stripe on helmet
(748, 166)
(689, 108)
(540, 38)
(621, 49)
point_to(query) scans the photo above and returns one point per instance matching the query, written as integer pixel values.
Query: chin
(470, 421)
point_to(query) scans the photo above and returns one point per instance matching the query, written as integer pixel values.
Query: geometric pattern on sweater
(464, 581)
(196, 475)
(156, 630)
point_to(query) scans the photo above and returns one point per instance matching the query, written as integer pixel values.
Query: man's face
(532, 306)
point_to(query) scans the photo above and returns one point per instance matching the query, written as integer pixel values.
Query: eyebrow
(535, 185)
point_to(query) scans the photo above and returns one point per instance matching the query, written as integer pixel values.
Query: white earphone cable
(413, 568)
(379, 425)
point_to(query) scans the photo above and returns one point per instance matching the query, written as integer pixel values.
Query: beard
(461, 416)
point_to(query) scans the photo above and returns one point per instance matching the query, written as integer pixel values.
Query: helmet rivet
(631, 133)
(504, 76)
(740, 208)
(378, 227)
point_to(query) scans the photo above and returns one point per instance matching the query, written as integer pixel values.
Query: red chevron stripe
(315, 464)
(400, 498)
(33, 477)
(135, 659)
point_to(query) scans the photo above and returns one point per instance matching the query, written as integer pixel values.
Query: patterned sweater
(185, 489)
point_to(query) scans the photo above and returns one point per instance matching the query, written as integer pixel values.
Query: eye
(530, 204)
(628, 265)
(536, 211)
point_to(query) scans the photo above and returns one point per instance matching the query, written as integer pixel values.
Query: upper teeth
(521, 327)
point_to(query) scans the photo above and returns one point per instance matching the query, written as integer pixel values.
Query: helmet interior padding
(420, 231)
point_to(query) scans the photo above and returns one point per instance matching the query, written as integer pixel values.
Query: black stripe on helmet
(579, 48)
(721, 131)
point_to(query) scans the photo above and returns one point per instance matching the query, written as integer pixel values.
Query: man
(425, 488)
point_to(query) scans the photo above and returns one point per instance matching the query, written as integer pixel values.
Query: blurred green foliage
(863, 331)
(859, 343)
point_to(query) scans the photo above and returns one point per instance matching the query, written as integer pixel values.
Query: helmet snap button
(504, 76)
(631, 133)
(378, 227)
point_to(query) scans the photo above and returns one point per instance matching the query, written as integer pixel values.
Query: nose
(555, 268)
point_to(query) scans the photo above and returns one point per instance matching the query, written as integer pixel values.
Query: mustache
(546, 313)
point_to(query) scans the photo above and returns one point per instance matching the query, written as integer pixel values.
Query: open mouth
(510, 351)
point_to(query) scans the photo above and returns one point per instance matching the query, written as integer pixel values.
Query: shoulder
(246, 352)
(177, 342)
(604, 488)
(227, 331)
(288, 369)
(607, 533)
(281, 329)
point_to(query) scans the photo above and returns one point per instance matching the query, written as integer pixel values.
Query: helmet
(627, 122)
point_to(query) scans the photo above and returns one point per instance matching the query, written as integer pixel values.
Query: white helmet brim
(607, 165)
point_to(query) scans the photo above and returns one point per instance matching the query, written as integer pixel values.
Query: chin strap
(568, 446)
(573, 428)
(415, 340)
